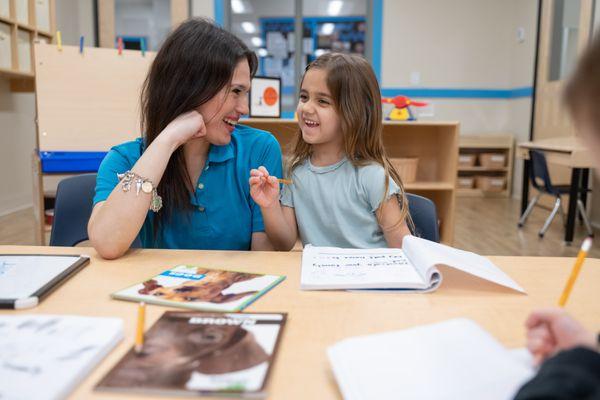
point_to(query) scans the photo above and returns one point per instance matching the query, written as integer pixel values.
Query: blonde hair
(357, 101)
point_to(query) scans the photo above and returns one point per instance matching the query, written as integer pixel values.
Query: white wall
(462, 44)
(203, 8)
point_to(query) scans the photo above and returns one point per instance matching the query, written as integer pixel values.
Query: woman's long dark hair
(195, 62)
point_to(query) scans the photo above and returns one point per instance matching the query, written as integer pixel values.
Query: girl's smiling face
(317, 115)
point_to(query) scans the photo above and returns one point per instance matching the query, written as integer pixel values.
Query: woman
(191, 167)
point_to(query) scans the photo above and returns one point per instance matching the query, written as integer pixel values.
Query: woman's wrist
(165, 141)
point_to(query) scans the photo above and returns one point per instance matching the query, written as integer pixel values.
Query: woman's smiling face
(222, 113)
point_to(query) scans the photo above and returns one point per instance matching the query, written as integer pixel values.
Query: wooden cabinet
(485, 165)
(22, 22)
(435, 144)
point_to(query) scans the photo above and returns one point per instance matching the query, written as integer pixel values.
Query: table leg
(525, 187)
(585, 181)
(573, 195)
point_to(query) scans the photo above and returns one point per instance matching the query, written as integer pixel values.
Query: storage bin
(466, 160)
(5, 8)
(465, 182)
(24, 51)
(71, 161)
(492, 160)
(406, 167)
(22, 11)
(5, 46)
(491, 183)
(42, 15)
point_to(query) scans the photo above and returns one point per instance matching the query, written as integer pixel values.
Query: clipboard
(25, 279)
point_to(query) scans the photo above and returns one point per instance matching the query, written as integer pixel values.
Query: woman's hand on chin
(185, 127)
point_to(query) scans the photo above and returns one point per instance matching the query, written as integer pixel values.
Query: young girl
(344, 191)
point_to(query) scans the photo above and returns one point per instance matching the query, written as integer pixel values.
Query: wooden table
(319, 319)
(569, 152)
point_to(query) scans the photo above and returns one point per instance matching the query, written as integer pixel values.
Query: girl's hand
(264, 188)
(552, 330)
(185, 127)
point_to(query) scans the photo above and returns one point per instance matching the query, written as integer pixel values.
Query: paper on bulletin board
(265, 97)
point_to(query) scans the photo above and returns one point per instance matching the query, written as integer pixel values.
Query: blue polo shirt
(223, 216)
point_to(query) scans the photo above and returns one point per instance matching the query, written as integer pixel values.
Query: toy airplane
(402, 111)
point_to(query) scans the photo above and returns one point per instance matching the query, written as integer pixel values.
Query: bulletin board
(87, 101)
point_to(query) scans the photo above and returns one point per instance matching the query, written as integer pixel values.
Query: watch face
(147, 187)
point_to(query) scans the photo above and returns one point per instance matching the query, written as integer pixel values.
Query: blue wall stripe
(377, 26)
(219, 12)
(458, 93)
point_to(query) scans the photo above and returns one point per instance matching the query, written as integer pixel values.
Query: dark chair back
(538, 172)
(72, 210)
(424, 215)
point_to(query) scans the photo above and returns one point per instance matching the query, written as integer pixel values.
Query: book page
(337, 268)
(426, 254)
(421, 363)
(46, 356)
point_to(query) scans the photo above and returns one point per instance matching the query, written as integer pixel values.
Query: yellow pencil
(285, 181)
(585, 247)
(139, 333)
(58, 41)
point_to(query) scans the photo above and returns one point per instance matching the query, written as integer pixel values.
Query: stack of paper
(46, 356)
(455, 359)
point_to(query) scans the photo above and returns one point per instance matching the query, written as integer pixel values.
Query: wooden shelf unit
(22, 23)
(434, 143)
(477, 145)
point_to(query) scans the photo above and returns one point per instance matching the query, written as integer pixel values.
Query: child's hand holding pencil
(264, 188)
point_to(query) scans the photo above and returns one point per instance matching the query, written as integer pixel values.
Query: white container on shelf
(22, 8)
(5, 47)
(24, 50)
(42, 15)
(5, 8)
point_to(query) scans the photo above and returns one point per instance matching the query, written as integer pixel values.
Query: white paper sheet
(46, 356)
(455, 359)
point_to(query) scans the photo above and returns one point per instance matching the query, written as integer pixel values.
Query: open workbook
(454, 359)
(414, 267)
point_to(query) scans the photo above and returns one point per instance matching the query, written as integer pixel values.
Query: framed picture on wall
(265, 97)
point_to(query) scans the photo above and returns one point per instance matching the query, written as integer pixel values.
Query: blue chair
(540, 180)
(424, 215)
(72, 211)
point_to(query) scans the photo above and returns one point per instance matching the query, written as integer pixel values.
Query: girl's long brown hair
(195, 62)
(357, 100)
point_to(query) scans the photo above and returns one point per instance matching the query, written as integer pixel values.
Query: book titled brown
(202, 353)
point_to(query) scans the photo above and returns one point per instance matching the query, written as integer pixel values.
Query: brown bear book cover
(203, 353)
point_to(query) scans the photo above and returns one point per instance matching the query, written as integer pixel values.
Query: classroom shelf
(478, 193)
(476, 180)
(481, 169)
(434, 143)
(22, 23)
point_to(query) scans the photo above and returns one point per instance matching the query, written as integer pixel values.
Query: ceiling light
(256, 41)
(237, 6)
(262, 52)
(248, 27)
(327, 29)
(334, 7)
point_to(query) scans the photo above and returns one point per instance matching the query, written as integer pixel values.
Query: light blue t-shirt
(335, 205)
(223, 215)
